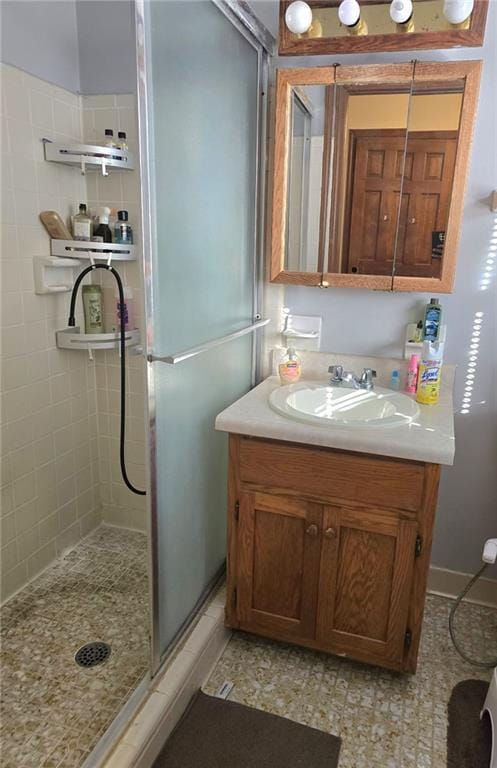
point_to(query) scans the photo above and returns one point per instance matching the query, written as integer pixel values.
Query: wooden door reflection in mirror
(441, 120)
(370, 141)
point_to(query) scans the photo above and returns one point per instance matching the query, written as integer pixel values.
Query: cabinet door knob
(385, 217)
(312, 530)
(330, 533)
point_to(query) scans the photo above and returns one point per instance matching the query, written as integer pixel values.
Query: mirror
(427, 185)
(311, 112)
(369, 172)
(370, 139)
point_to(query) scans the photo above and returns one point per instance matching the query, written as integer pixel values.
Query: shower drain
(91, 654)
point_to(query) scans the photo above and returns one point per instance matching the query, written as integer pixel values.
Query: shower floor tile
(53, 712)
(385, 719)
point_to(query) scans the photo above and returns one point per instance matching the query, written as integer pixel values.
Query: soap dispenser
(290, 367)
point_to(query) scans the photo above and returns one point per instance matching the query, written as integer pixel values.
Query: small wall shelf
(72, 338)
(54, 275)
(82, 249)
(88, 156)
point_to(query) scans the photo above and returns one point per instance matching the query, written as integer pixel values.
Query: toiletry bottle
(412, 375)
(55, 226)
(418, 333)
(432, 321)
(109, 140)
(128, 310)
(103, 229)
(430, 372)
(123, 233)
(290, 367)
(395, 380)
(121, 140)
(92, 305)
(82, 224)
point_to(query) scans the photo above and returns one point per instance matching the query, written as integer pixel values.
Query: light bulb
(349, 12)
(457, 11)
(298, 17)
(400, 11)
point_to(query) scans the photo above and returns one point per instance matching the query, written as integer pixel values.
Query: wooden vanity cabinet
(329, 549)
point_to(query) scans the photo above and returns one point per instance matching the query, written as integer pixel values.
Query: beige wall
(429, 112)
(49, 480)
(59, 411)
(121, 191)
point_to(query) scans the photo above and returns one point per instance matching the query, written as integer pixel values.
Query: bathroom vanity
(330, 527)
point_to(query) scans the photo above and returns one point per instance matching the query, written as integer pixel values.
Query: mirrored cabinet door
(370, 132)
(302, 156)
(441, 114)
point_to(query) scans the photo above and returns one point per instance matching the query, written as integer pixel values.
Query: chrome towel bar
(208, 345)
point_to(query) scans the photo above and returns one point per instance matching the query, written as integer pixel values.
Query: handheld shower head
(71, 322)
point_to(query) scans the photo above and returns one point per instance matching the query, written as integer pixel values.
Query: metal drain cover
(91, 654)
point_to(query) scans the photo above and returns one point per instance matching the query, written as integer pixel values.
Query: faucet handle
(368, 374)
(336, 372)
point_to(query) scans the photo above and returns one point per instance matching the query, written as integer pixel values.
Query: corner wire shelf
(88, 156)
(84, 249)
(72, 338)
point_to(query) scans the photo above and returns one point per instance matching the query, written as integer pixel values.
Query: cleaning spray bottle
(430, 371)
(290, 367)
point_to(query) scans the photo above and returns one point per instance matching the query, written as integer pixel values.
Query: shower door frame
(242, 17)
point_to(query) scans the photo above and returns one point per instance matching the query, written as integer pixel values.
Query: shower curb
(171, 691)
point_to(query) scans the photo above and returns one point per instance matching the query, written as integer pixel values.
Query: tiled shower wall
(59, 411)
(122, 192)
(49, 447)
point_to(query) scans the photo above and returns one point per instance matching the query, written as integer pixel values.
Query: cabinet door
(365, 581)
(279, 543)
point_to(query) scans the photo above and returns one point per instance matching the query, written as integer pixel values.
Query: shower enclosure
(202, 106)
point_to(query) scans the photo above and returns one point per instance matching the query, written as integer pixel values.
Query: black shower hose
(469, 659)
(122, 339)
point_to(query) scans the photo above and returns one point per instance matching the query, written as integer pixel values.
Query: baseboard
(172, 690)
(447, 583)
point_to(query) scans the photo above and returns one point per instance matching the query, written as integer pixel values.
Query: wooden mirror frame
(286, 80)
(424, 72)
(395, 41)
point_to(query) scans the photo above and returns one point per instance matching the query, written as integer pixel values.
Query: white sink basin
(317, 403)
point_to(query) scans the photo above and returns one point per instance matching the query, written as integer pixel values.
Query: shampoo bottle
(128, 309)
(430, 372)
(92, 305)
(290, 367)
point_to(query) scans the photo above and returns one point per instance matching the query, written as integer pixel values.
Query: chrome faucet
(342, 378)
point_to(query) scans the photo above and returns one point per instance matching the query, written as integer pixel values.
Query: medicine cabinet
(370, 165)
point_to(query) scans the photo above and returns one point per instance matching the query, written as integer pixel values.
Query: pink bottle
(412, 375)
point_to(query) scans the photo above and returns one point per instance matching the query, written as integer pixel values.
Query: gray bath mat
(215, 733)
(469, 739)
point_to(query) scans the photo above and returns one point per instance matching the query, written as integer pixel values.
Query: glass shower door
(200, 125)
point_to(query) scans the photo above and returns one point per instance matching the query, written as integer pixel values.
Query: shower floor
(385, 719)
(53, 712)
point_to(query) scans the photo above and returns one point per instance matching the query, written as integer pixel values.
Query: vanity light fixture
(298, 17)
(458, 12)
(401, 14)
(349, 13)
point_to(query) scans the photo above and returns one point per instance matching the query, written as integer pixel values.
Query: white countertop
(429, 438)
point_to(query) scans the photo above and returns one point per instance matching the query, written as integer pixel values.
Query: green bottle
(92, 305)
